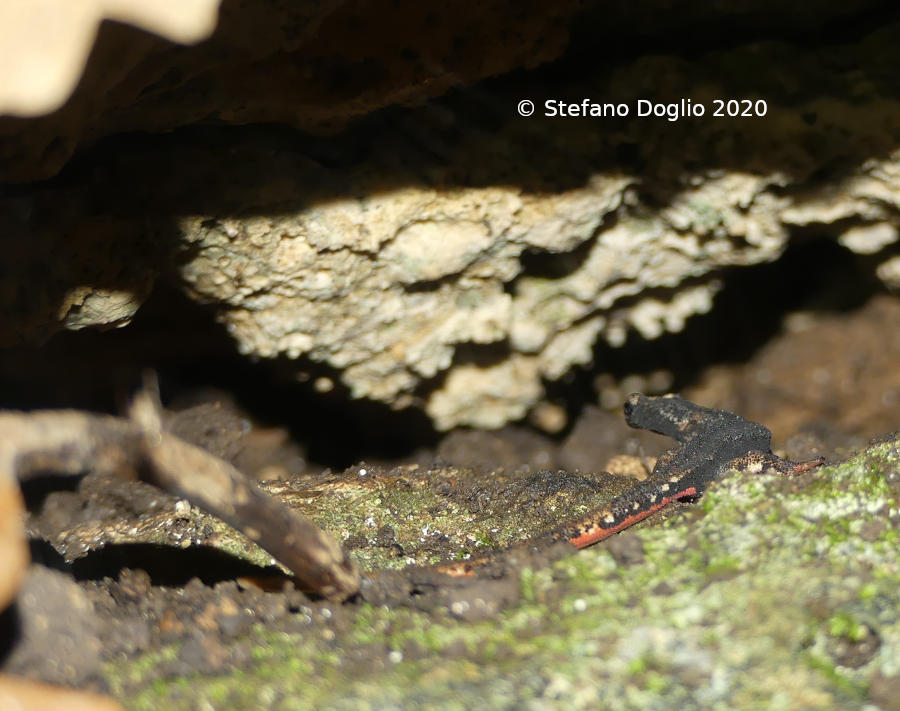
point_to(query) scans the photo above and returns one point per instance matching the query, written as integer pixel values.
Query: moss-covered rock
(771, 593)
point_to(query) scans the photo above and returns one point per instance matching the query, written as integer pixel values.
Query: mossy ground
(389, 519)
(770, 593)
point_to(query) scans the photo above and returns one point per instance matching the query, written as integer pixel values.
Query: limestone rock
(427, 261)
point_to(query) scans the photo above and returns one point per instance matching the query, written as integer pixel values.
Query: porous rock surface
(392, 287)
(456, 256)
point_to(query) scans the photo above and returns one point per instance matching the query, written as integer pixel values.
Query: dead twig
(73, 442)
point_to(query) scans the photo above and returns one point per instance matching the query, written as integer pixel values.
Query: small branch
(72, 442)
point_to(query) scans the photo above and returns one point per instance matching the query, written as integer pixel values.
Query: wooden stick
(73, 442)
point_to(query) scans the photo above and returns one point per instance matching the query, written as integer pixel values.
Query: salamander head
(631, 402)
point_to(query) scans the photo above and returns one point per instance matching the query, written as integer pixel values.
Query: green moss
(842, 683)
(724, 566)
(842, 624)
(656, 682)
(720, 608)
(133, 671)
(867, 592)
(638, 666)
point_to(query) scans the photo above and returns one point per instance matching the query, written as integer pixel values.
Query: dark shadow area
(10, 631)
(168, 565)
(635, 26)
(814, 273)
(483, 355)
(543, 265)
(42, 553)
(181, 341)
(37, 488)
(471, 134)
